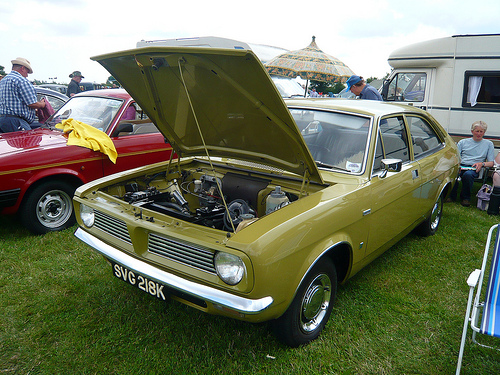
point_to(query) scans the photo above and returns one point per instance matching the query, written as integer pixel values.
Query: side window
(423, 137)
(407, 87)
(55, 102)
(481, 89)
(140, 123)
(394, 138)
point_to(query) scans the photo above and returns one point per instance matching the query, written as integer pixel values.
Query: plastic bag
(483, 197)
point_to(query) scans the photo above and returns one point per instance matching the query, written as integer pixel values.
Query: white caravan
(456, 79)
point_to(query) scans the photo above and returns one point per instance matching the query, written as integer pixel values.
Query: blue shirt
(370, 93)
(16, 93)
(472, 152)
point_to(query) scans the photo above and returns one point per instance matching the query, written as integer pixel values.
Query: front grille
(112, 226)
(181, 252)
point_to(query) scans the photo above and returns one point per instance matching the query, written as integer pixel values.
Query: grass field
(62, 312)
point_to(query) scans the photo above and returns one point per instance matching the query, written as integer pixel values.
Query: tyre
(311, 307)
(48, 207)
(431, 224)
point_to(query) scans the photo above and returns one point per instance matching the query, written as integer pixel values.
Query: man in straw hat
(18, 102)
(74, 84)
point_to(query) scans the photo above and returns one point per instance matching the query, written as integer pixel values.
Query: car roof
(366, 107)
(110, 93)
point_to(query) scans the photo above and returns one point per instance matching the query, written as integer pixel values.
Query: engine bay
(220, 200)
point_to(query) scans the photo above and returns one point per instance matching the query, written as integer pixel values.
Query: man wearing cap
(358, 86)
(74, 85)
(18, 101)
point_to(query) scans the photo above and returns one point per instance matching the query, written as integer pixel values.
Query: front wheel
(48, 207)
(311, 307)
(430, 226)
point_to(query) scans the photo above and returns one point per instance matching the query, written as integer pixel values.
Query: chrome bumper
(206, 293)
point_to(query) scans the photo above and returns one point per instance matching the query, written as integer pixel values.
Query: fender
(43, 174)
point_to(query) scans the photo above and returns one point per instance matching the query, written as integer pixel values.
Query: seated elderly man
(476, 153)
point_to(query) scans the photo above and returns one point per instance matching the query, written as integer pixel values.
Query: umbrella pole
(305, 91)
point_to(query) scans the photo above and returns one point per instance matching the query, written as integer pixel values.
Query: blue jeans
(13, 124)
(467, 178)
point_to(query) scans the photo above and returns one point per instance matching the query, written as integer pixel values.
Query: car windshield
(94, 111)
(287, 87)
(336, 140)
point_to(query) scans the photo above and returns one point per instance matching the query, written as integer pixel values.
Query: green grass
(62, 312)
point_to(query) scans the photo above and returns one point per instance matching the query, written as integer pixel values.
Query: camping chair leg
(464, 332)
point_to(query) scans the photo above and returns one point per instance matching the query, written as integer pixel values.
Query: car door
(426, 145)
(395, 195)
(142, 146)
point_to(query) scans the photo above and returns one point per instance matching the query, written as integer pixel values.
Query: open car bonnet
(221, 99)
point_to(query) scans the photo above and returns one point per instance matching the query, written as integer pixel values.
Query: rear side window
(481, 89)
(423, 137)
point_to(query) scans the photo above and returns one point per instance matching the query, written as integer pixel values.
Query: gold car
(270, 204)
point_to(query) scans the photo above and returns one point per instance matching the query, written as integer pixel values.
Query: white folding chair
(484, 308)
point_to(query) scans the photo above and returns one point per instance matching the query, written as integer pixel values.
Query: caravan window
(481, 89)
(407, 87)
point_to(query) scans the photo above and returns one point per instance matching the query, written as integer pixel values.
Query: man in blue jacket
(358, 86)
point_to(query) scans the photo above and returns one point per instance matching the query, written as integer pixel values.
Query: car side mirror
(125, 128)
(391, 165)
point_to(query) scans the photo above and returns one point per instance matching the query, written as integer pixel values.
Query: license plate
(151, 287)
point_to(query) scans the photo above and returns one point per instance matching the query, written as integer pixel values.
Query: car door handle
(414, 174)
(367, 212)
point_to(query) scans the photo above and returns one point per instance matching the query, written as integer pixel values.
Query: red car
(39, 172)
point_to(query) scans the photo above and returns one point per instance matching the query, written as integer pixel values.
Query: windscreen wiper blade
(325, 165)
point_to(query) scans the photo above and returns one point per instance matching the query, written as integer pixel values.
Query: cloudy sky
(60, 36)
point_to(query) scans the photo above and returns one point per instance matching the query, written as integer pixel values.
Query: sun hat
(352, 81)
(22, 61)
(76, 73)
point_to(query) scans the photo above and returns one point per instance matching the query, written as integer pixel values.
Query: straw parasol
(309, 63)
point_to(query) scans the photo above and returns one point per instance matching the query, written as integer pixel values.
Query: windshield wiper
(324, 165)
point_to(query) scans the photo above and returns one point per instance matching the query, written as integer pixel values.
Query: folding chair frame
(475, 309)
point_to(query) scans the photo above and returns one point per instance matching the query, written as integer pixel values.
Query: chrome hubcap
(315, 303)
(436, 214)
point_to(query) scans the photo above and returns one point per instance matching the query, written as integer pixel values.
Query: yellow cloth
(81, 134)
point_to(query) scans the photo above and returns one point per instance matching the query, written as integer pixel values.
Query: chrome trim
(240, 304)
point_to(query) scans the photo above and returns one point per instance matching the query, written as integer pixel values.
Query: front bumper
(206, 293)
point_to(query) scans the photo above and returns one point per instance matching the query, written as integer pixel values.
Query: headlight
(229, 267)
(87, 215)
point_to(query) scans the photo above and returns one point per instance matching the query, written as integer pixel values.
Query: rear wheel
(48, 207)
(311, 307)
(431, 224)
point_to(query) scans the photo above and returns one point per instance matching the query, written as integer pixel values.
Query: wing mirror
(123, 127)
(391, 165)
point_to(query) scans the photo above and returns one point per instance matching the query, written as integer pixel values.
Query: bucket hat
(76, 73)
(22, 61)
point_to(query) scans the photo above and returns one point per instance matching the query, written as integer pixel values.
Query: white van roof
(432, 53)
